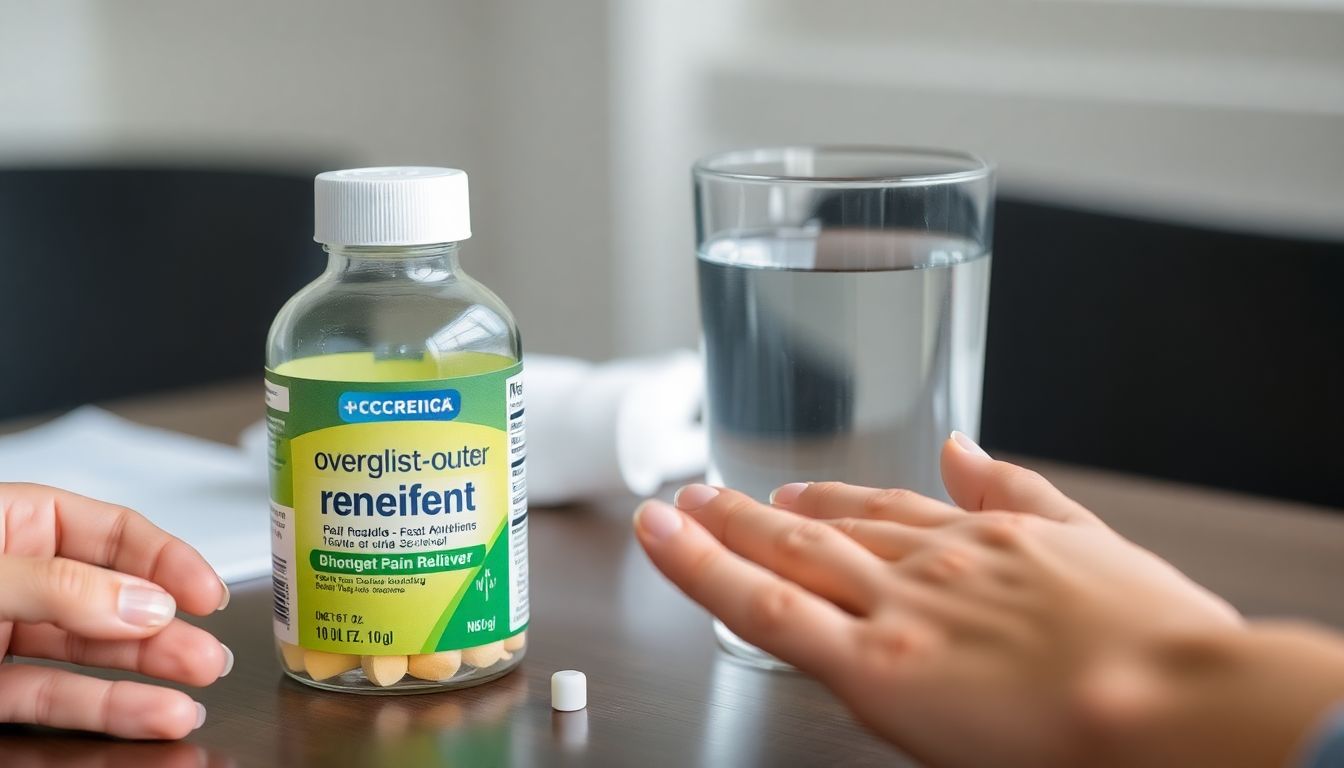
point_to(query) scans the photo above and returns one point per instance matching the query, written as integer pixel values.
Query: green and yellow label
(398, 508)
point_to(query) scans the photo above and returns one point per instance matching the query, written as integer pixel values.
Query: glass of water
(843, 296)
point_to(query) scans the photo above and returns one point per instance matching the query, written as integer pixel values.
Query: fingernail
(694, 496)
(145, 606)
(223, 601)
(657, 519)
(785, 495)
(967, 444)
(200, 715)
(228, 660)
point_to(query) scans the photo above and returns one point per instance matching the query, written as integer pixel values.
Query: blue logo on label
(438, 405)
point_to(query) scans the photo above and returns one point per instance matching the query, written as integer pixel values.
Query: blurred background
(1170, 230)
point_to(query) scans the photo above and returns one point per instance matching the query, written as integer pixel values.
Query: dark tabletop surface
(660, 693)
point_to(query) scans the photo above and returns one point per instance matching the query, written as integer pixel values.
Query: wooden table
(660, 692)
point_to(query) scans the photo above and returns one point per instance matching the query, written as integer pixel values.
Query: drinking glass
(843, 297)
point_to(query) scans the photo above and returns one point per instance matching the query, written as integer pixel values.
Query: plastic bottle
(394, 403)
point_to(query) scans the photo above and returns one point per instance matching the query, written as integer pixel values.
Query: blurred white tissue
(624, 426)
(212, 496)
(596, 429)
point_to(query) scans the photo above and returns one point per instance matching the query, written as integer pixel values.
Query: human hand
(1014, 626)
(95, 584)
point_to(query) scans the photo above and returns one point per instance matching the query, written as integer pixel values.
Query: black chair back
(115, 281)
(1205, 356)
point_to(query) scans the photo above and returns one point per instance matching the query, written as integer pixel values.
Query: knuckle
(699, 571)
(885, 648)
(43, 702)
(1005, 530)
(845, 525)
(120, 520)
(23, 509)
(955, 560)
(1009, 579)
(138, 654)
(155, 559)
(67, 579)
(884, 501)
(803, 538)
(732, 505)
(76, 648)
(946, 563)
(107, 698)
(770, 607)
(730, 509)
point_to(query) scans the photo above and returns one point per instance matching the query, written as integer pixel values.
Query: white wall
(1228, 112)
(513, 93)
(166, 80)
(50, 81)
(578, 121)
(542, 193)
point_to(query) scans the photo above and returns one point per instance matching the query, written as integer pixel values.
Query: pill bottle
(394, 402)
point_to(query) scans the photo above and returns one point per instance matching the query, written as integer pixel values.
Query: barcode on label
(284, 590)
(280, 588)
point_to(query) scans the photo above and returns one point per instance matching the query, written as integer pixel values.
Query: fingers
(181, 652)
(867, 515)
(60, 699)
(889, 541)
(121, 539)
(85, 599)
(815, 556)
(831, 500)
(977, 482)
(771, 613)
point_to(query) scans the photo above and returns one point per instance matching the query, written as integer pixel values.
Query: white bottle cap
(569, 690)
(391, 206)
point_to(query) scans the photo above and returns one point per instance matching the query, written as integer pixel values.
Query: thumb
(84, 599)
(977, 482)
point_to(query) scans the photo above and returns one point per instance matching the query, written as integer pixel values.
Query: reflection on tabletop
(320, 728)
(327, 729)
(24, 747)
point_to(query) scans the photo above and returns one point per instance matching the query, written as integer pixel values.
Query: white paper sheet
(212, 496)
